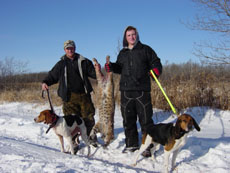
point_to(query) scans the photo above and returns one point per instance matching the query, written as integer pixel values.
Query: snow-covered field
(25, 147)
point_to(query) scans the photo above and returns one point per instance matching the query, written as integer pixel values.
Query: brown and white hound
(172, 136)
(69, 127)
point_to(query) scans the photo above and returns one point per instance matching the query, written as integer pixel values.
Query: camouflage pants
(81, 103)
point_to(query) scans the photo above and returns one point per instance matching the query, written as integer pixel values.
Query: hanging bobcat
(106, 102)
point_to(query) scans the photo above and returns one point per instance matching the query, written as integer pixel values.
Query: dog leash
(53, 123)
(162, 90)
(52, 110)
(51, 106)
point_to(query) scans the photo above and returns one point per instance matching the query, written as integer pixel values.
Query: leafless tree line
(11, 66)
(187, 85)
(14, 74)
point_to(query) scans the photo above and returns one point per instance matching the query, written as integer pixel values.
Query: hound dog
(172, 136)
(69, 127)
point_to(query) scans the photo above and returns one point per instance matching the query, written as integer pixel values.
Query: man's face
(131, 37)
(70, 52)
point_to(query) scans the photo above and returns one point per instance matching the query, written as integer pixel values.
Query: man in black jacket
(134, 63)
(72, 72)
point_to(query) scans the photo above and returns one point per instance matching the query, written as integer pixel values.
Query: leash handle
(51, 106)
(162, 90)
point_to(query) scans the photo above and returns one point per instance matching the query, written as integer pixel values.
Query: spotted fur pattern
(67, 127)
(105, 100)
(172, 137)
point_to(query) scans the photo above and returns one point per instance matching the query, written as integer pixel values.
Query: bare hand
(44, 86)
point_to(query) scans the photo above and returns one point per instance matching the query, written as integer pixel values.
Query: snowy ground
(25, 147)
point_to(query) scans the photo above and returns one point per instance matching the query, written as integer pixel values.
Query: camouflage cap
(69, 43)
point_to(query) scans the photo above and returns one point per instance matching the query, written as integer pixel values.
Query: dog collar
(55, 119)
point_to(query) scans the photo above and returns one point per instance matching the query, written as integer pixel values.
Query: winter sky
(34, 31)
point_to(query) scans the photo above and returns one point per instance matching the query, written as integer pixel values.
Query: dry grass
(205, 90)
(184, 89)
(30, 92)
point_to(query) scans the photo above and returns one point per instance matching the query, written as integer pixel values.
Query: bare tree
(10, 66)
(214, 16)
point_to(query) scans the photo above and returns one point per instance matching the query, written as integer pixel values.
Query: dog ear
(178, 126)
(196, 125)
(48, 118)
(51, 111)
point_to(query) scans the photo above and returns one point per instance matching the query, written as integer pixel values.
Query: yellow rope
(170, 104)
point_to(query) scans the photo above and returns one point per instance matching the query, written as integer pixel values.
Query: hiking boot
(147, 152)
(76, 148)
(130, 149)
(93, 141)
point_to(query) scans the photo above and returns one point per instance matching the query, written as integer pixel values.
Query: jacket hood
(125, 43)
(76, 54)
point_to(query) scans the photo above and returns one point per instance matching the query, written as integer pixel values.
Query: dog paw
(175, 169)
(66, 152)
(134, 164)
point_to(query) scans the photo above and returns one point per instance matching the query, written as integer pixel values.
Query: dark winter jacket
(134, 66)
(59, 74)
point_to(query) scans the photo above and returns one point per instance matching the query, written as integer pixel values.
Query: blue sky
(34, 31)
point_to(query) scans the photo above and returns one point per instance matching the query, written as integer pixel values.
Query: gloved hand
(97, 67)
(108, 67)
(156, 72)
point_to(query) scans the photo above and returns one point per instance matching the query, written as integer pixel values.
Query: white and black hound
(69, 127)
(172, 136)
